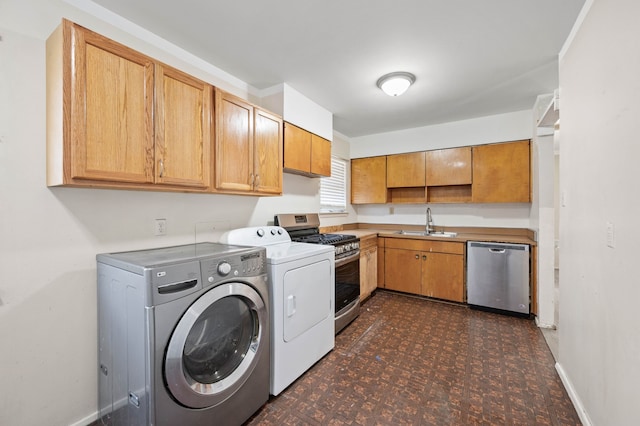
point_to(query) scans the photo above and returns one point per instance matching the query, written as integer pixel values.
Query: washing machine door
(216, 345)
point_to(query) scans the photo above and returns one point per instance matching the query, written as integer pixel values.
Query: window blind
(333, 189)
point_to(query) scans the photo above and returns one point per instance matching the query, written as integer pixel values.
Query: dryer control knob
(224, 268)
(260, 232)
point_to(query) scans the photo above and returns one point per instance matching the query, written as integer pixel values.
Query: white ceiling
(471, 58)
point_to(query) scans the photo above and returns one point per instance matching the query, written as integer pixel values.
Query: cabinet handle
(161, 168)
(424, 257)
(417, 256)
(257, 181)
(251, 179)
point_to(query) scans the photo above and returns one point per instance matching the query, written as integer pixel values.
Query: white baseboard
(87, 420)
(577, 402)
(544, 325)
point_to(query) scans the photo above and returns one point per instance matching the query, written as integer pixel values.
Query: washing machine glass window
(213, 347)
(219, 340)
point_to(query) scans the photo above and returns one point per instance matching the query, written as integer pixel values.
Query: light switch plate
(611, 235)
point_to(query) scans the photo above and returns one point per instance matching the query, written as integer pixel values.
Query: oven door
(347, 290)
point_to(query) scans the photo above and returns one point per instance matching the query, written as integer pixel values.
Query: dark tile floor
(407, 360)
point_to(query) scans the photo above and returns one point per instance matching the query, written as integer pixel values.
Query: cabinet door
(320, 156)
(406, 170)
(268, 152)
(501, 173)
(372, 269)
(443, 276)
(297, 148)
(450, 166)
(183, 134)
(368, 268)
(402, 270)
(368, 180)
(381, 262)
(111, 110)
(234, 143)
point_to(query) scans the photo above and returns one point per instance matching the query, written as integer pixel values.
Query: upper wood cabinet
(451, 166)
(494, 173)
(102, 115)
(267, 158)
(248, 147)
(183, 129)
(406, 170)
(320, 156)
(368, 180)
(100, 110)
(501, 173)
(234, 142)
(306, 153)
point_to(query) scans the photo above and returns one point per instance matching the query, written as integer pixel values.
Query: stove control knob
(279, 231)
(224, 268)
(260, 232)
(273, 232)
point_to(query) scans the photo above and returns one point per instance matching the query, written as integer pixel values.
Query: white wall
(296, 108)
(599, 330)
(490, 129)
(49, 236)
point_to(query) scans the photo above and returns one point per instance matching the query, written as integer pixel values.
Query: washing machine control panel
(249, 264)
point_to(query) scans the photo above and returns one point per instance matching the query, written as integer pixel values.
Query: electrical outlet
(160, 227)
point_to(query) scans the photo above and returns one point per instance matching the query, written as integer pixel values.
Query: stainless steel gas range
(304, 228)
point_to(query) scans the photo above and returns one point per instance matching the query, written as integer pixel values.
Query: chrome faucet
(429, 227)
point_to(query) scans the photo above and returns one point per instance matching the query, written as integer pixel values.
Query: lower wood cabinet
(425, 267)
(368, 266)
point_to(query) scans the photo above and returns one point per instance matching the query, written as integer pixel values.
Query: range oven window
(347, 282)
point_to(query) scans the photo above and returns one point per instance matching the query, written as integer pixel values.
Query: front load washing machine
(183, 335)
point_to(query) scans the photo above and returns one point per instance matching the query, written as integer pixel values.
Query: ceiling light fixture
(396, 83)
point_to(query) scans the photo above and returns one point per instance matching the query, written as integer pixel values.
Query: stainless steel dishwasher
(498, 276)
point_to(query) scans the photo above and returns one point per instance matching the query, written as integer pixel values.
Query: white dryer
(302, 300)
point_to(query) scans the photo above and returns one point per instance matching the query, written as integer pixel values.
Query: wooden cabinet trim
(426, 245)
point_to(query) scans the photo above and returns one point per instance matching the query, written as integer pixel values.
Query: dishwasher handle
(497, 247)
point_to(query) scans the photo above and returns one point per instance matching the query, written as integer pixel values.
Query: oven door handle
(343, 261)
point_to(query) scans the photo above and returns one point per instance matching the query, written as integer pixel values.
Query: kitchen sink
(428, 234)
